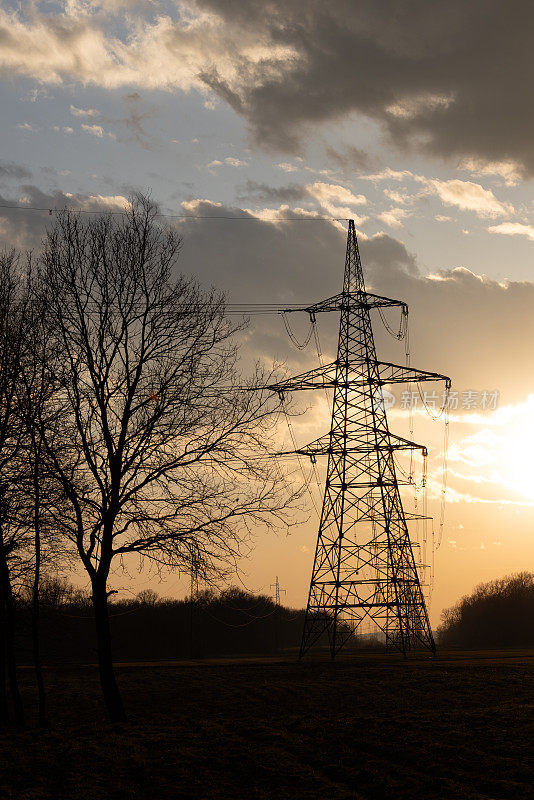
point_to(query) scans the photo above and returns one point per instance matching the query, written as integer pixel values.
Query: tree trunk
(9, 637)
(110, 689)
(36, 642)
(36, 646)
(4, 711)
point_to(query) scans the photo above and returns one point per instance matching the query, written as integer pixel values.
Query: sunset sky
(414, 119)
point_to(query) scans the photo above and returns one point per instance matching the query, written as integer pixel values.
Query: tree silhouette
(37, 491)
(13, 536)
(158, 443)
(497, 614)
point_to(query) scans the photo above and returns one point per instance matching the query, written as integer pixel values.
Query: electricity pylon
(277, 591)
(364, 564)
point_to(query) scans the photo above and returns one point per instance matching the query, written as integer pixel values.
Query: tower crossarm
(349, 299)
(325, 377)
(377, 301)
(396, 373)
(324, 446)
(322, 377)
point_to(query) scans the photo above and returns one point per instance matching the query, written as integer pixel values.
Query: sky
(412, 118)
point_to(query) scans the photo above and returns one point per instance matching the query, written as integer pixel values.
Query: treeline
(498, 614)
(151, 628)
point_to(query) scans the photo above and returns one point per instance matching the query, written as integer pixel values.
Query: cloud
(397, 197)
(465, 195)
(510, 171)
(52, 172)
(84, 112)
(25, 126)
(385, 257)
(229, 161)
(287, 167)
(235, 162)
(452, 313)
(149, 49)
(432, 80)
(513, 229)
(353, 158)
(281, 194)
(96, 130)
(336, 200)
(10, 170)
(468, 196)
(65, 129)
(423, 76)
(261, 257)
(292, 261)
(329, 199)
(100, 202)
(394, 216)
(388, 174)
(414, 106)
(24, 229)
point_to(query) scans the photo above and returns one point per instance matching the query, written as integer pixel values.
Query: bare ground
(368, 726)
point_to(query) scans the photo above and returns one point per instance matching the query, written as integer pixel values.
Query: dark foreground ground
(364, 727)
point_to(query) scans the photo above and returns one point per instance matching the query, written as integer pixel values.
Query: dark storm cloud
(24, 227)
(257, 261)
(451, 79)
(281, 194)
(9, 170)
(352, 158)
(291, 261)
(451, 315)
(21, 228)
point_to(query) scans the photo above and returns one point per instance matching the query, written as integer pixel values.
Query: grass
(365, 726)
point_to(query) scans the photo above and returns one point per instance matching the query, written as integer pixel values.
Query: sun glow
(516, 467)
(501, 453)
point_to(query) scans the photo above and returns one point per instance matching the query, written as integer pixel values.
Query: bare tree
(159, 444)
(13, 537)
(38, 491)
(25, 488)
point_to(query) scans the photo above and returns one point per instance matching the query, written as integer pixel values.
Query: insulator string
(298, 345)
(403, 323)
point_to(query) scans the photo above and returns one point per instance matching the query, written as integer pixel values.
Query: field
(365, 726)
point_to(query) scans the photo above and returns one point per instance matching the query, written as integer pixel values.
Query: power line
(54, 210)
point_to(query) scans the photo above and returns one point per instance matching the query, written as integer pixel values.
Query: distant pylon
(277, 591)
(364, 565)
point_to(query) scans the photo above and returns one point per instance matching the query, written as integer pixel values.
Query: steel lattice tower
(364, 563)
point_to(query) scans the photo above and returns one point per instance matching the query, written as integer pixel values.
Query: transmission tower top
(353, 280)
